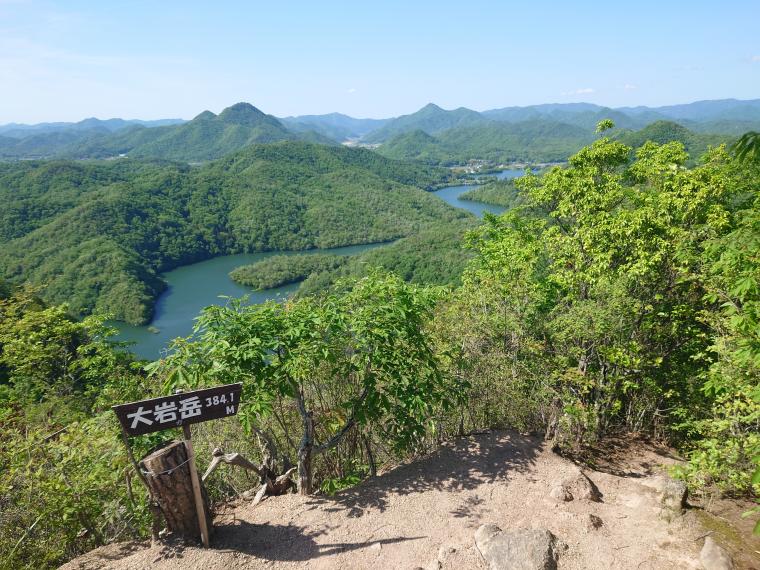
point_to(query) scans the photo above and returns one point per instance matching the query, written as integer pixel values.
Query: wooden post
(168, 472)
(199, 505)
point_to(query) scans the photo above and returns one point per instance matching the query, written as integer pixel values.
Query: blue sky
(69, 60)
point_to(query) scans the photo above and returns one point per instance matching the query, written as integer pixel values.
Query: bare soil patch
(425, 514)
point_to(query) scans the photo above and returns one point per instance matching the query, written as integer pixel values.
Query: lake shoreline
(190, 288)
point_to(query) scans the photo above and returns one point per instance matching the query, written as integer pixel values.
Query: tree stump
(167, 472)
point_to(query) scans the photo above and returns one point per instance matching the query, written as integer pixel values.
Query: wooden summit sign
(156, 414)
(179, 410)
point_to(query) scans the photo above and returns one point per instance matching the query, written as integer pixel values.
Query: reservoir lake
(193, 287)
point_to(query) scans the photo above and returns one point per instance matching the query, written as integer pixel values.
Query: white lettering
(166, 412)
(190, 407)
(138, 417)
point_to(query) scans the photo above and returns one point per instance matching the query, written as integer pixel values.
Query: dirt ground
(425, 513)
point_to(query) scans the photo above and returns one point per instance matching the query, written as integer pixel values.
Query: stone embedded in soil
(455, 557)
(576, 486)
(560, 494)
(714, 556)
(594, 522)
(521, 549)
(445, 552)
(673, 495)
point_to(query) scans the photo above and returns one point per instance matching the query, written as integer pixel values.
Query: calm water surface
(193, 287)
(451, 194)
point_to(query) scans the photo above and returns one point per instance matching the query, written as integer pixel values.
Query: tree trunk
(305, 452)
(168, 476)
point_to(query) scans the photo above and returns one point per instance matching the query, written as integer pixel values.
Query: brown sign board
(156, 414)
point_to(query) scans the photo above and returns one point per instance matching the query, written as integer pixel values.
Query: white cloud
(582, 91)
(756, 58)
(351, 90)
(630, 87)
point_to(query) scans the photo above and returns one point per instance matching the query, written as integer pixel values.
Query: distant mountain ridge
(725, 116)
(336, 126)
(536, 140)
(209, 136)
(431, 119)
(19, 130)
(206, 137)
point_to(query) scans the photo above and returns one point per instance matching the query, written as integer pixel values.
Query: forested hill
(430, 119)
(532, 141)
(661, 132)
(96, 235)
(206, 137)
(536, 140)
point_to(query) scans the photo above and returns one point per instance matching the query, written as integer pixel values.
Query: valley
(192, 287)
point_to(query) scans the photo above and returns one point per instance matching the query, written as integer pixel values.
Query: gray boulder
(521, 549)
(714, 556)
(673, 495)
(576, 486)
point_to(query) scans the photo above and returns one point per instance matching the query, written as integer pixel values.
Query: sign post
(182, 410)
(196, 487)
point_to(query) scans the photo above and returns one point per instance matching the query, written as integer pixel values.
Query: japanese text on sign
(157, 414)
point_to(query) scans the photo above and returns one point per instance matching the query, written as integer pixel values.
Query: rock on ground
(576, 486)
(715, 557)
(521, 549)
(674, 495)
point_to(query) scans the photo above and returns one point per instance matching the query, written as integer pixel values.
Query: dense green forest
(499, 143)
(97, 235)
(620, 295)
(696, 144)
(537, 140)
(434, 256)
(497, 192)
(283, 269)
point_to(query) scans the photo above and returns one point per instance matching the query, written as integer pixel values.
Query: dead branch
(233, 459)
(271, 485)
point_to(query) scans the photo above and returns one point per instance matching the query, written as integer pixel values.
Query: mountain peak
(242, 113)
(205, 115)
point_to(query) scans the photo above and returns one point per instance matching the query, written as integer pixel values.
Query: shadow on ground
(266, 541)
(462, 464)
